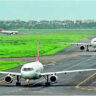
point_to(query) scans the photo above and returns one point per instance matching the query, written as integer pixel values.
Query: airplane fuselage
(10, 32)
(93, 42)
(32, 70)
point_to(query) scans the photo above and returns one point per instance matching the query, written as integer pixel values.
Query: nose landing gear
(87, 49)
(47, 83)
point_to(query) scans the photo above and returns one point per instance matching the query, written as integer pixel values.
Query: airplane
(8, 32)
(34, 70)
(83, 45)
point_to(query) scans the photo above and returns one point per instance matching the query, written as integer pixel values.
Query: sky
(47, 9)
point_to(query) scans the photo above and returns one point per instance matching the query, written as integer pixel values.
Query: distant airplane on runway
(8, 31)
(84, 45)
(34, 70)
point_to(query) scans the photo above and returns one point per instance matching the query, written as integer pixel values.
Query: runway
(82, 83)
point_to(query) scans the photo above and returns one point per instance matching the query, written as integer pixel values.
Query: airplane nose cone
(27, 74)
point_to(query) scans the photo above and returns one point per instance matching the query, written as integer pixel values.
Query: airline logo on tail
(37, 58)
(0, 30)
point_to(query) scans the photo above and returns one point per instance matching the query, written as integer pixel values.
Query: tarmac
(82, 83)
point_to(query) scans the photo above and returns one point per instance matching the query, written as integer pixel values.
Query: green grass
(26, 45)
(5, 65)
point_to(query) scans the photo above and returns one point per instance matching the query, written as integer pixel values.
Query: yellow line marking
(85, 88)
(86, 79)
(89, 89)
(78, 85)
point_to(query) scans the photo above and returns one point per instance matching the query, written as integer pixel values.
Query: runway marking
(82, 82)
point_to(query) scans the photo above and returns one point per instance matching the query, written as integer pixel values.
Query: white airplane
(83, 45)
(8, 31)
(34, 70)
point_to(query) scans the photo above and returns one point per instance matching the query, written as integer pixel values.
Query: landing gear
(18, 83)
(47, 83)
(87, 49)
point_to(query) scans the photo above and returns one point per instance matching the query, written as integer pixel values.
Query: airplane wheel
(18, 84)
(47, 84)
(87, 50)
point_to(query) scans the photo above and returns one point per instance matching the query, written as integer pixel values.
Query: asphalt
(71, 58)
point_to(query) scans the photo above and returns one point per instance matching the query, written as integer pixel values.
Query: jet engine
(53, 78)
(82, 47)
(9, 79)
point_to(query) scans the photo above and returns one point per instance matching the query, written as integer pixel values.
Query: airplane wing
(65, 72)
(75, 43)
(10, 73)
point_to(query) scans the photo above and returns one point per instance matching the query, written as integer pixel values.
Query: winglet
(37, 58)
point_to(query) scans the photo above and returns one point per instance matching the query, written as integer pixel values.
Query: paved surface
(72, 58)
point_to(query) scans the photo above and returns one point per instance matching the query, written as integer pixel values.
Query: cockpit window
(24, 69)
(27, 69)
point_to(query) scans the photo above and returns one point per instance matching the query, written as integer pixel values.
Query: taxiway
(71, 58)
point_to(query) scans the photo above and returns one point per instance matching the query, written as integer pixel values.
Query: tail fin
(37, 58)
(0, 30)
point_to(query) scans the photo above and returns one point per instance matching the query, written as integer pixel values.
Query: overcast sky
(47, 9)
